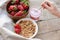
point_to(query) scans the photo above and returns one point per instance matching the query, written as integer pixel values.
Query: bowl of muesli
(26, 27)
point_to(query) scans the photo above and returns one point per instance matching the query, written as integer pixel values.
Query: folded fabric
(2, 2)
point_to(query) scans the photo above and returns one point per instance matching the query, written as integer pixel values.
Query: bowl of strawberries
(18, 9)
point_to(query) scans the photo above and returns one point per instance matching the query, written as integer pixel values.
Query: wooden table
(49, 30)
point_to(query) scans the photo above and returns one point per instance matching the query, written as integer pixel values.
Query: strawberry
(20, 13)
(15, 1)
(20, 7)
(12, 13)
(21, 3)
(17, 31)
(17, 28)
(12, 7)
(25, 6)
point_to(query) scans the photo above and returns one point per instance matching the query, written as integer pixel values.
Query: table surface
(49, 29)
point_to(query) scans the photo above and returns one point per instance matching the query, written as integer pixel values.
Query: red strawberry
(17, 28)
(21, 3)
(25, 6)
(20, 7)
(16, 1)
(12, 13)
(12, 7)
(20, 13)
(17, 31)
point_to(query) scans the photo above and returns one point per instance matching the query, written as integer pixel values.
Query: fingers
(46, 5)
(49, 3)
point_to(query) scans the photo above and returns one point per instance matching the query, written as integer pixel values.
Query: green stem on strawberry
(9, 11)
(13, 1)
(25, 2)
(25, 11)
(15, 8)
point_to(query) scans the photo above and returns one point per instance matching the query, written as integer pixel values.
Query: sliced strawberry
(20, 13)
(25, 6)
(12, 13)
(12, 7)
(17, 28)
(20, 7)
(21, 3)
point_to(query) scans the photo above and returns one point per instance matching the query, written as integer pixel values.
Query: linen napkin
(3, 2)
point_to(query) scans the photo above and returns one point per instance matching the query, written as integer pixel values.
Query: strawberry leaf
(23, 1)
(27, 3)
(13, 1)
(15, 8)
(25, 11)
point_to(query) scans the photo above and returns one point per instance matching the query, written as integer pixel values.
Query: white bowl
(35, 27)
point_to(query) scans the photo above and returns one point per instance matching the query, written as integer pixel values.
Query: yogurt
(35, 14)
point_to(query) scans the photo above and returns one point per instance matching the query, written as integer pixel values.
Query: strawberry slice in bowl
(12, 8)
(20, 13)
(12, 13)
(20, 7)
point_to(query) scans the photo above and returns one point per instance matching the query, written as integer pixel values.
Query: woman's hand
(50, 7)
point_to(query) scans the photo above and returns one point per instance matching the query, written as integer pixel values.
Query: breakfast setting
(29, 20)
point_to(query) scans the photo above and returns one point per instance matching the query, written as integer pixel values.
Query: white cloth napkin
(3, 2)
